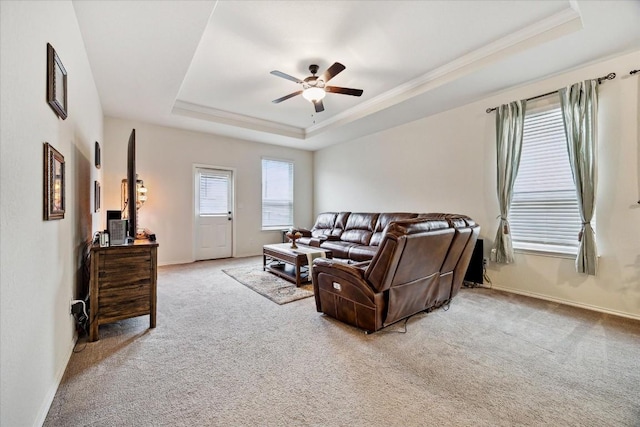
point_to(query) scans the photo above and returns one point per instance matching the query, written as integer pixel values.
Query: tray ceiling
(205, 65)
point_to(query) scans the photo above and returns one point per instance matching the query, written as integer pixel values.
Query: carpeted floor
(223, 355)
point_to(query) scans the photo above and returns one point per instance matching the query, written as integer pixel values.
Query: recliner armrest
(316, 241)
(303, 231)
(362, 264)
(339, 268)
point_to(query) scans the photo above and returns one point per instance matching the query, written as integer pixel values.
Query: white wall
(164, 160)
(39, 260)
(447, 163)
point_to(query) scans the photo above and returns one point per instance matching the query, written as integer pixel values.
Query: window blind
(277, 193)
(544, 213)
(214, 194)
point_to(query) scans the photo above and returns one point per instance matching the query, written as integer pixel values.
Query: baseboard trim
(175, 262)
(567, 302)
(42, 414)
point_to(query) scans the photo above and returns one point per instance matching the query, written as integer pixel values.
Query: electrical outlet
(76, 306)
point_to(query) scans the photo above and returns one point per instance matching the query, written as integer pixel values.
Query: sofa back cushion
(341, 224)
(324, 224)
(455, 220)
(457, 261)
(385, 219)
(359, 228)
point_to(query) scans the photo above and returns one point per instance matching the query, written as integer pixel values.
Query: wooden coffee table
(290, 264)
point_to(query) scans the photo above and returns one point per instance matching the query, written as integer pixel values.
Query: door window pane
(214, 194)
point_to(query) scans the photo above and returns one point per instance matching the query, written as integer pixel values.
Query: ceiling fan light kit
(314, 94)
(314, 88)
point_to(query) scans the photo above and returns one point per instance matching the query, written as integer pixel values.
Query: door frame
(194, 231)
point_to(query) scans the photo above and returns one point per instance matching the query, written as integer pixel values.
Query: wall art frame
(54, 183)
(96, 195)
(98, 159)
(56, 83)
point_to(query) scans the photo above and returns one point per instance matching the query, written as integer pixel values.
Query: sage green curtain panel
(580, 111)
(509, 129)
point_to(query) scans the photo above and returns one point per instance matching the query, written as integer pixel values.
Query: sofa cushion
(383, 220)
(338, 248)
(311, 241)
(324, 224)
(359, 228)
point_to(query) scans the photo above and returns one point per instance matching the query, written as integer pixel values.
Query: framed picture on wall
(56, 83)
(96, 195)
(97, 159)
(54, 189)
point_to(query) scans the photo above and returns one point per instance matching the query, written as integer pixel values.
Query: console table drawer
(123, 278)
(129, 259)
(132, 307)
(123, 293)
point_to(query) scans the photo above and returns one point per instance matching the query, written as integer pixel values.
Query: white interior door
(213, 213)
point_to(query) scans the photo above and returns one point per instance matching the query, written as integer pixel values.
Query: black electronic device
(113, 215)
(475, 271)
(131, 185)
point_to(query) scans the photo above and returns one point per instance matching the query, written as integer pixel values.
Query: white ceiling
(205, 65)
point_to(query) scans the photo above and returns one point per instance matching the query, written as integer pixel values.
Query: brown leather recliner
(417, 267)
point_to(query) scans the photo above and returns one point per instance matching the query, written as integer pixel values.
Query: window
(544, 214)
(277, 194)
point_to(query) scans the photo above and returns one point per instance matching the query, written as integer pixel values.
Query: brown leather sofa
(418, 265)
(352, 236)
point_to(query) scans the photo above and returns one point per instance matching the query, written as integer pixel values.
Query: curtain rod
(609, 76)
(633, 72)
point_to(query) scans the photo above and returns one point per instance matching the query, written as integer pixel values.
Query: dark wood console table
(123, 283)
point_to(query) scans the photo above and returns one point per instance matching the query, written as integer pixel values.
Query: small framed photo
(54, 190)
(56, 83)
(97, 156)
(96, 195)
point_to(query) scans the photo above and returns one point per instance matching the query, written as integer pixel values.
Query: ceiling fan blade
(284, 98)
(286, 76)
(332, 71)
(319, 106)
(344, 90)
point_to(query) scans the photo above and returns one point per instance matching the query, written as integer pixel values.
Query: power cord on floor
(485, 278)
(85, 327)
(404, 330)
(401, 331)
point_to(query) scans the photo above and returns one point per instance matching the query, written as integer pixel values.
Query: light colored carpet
(269, 285)
(222, 355)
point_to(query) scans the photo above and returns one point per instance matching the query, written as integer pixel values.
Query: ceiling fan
(314, 88)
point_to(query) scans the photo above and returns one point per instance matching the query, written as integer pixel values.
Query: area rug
(269, 285)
